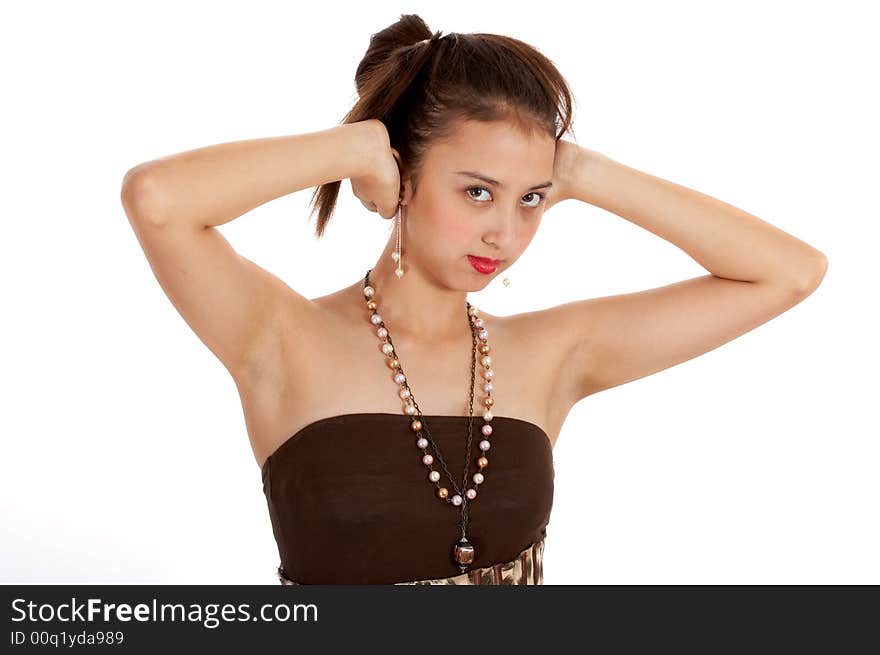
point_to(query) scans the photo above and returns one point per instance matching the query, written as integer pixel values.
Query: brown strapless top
(350, 500)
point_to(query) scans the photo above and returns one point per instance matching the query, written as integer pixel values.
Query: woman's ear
(404, 178)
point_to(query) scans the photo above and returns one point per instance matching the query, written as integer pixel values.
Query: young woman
(360, 404)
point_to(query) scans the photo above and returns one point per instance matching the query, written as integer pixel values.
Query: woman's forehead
(494, 150)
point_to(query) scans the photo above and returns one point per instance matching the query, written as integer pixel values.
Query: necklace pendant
(463, 553)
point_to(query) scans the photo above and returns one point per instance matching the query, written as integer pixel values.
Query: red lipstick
(483, 265)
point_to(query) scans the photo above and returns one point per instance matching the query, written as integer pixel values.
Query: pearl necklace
(463, 551)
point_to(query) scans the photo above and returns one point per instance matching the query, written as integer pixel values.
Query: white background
(124, 452)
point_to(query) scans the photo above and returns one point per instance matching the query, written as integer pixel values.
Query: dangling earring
(397, 256)
(505, 282)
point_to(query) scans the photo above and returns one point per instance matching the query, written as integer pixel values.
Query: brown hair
(418, 83)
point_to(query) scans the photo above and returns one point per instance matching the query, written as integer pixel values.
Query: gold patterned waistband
(527, 568)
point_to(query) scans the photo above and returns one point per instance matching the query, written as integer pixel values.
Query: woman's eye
(476, 188)
(540, 196)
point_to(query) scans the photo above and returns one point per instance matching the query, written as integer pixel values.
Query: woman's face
(455, 214)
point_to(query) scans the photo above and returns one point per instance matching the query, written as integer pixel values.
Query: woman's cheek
(458, 229)
(527, 239)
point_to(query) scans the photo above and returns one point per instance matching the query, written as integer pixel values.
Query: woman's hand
(379, 189)
(569, 156)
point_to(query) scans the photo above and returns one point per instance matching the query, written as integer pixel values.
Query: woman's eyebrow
(489, 180)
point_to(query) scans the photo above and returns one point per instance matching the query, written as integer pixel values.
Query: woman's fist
(380, 188)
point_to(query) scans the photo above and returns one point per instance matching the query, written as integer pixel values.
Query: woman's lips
(483, 265)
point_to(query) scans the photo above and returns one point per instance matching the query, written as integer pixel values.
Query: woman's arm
(237, 308)
(213, 185)
(729, 242)
(758, 272)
